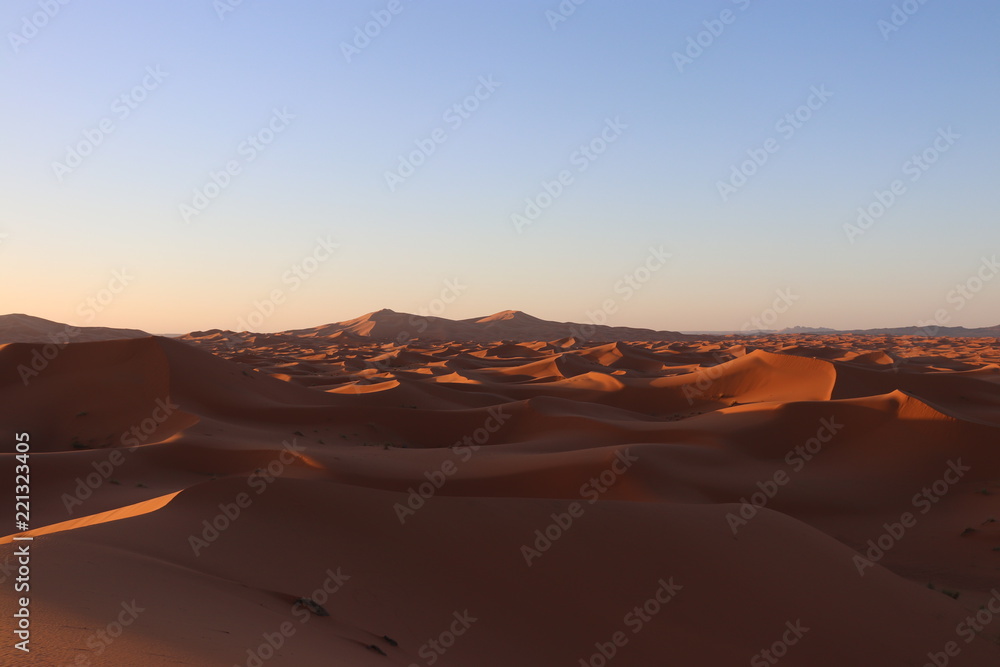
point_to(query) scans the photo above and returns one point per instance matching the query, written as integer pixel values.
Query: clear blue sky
(679, 132)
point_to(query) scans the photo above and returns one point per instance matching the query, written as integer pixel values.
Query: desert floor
(812, 500)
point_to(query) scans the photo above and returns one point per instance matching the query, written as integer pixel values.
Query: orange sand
(632, 456)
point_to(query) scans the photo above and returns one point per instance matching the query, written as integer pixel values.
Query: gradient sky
(656, 185)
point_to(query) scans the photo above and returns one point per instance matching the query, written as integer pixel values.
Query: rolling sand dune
(388, 325)
(28, 329)
(508, 495)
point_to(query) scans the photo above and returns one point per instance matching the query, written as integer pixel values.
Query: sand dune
(509, 501)
(27, 329)
(514, 325)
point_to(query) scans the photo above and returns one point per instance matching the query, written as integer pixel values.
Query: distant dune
(931, 331)
(926, 331)
(388, 325)
(802, 330)
(19, 328)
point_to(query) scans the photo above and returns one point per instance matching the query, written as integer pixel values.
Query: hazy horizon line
(930, 329)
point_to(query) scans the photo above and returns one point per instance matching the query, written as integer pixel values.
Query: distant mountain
(928, 331)
(806, 330)
(388, 325)
(18, 328)
(931, 331)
